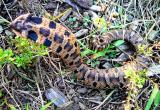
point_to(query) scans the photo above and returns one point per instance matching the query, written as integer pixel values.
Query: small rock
(123, 47)
(97, 8)
(64, 17)
(153, 70)
(82, 106)
(8, 33)
(82, 90)
(81, 32)
(50, 5)
(130, 52)
(107, 65)
(56, 96)
(72, 4)
(84, 3)
(122, 57)
(1, 29)
(152, 35)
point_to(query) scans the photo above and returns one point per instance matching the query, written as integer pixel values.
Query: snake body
(63, 43)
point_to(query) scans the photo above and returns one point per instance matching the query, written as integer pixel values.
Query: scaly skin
(63, 43)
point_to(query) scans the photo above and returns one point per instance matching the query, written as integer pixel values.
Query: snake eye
(17, 25)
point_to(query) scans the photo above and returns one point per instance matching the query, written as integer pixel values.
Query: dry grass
(25, 87)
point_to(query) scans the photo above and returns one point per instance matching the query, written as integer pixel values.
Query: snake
(62, 42)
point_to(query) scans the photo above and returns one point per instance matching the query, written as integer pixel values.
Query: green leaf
(103, 52)
(74, 78)
(86, 52)
(1, 94)
(99, 54)
(154, 94)
(3, 20)
(118, 43)
(157, 99)
(11, 107)
(27, 106)
(94, 64)
(44, 107)
(70, 20)
(74, 18)
(100, 23)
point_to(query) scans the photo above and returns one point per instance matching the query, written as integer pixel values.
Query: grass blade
(153, 98)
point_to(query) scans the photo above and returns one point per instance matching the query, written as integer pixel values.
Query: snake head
(25, 25)
(20, 26)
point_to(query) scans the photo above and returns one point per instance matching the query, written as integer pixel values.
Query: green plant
(27, 106)
(143, 49)
(24, 53)
(100, 23)
(136, 78)
(44, 107)
(12, 107)
(154, 99)
(6, 56)
(72, 22)
(1, 98)
(86, 20)
(1, 94)
(136, 82)
(109, 50)
(3, 20)
(5, 103)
